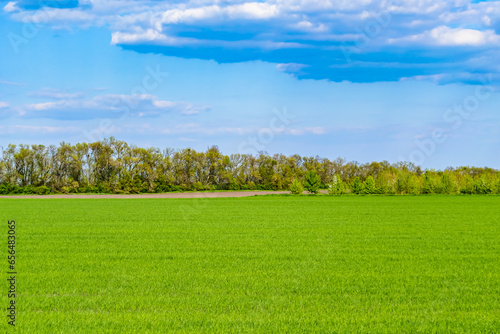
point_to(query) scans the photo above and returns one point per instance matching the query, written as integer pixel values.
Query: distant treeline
(113, 166)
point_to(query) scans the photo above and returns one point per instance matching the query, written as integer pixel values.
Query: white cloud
(290, 67)
(135, 22)
(446, 36)
(10, 7)
(110, 106)
(10, 83)
(46, 129)
(59, 16)
(317, 130)
(50, 93)
(323, 28)
(444, 78)
(194, 128)
(252, 10)
(480, 14)
(28, 129)
(3, 104)
(149, 35)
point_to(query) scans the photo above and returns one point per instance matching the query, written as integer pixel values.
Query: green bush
(234, 185)
(29, 190)
(198, 186)
(42, 190)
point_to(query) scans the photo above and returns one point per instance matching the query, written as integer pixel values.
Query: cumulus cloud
(330, 38)
(108, 106)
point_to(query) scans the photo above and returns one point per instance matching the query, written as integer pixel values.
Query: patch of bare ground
(164, 195)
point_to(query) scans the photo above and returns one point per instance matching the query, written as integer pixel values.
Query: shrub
(175, 188)
(234, 185)
(4, 190)
(198, 186)
(42, 190)
(29, 189)
(17, 190)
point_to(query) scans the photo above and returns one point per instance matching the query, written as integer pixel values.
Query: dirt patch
(166, 195)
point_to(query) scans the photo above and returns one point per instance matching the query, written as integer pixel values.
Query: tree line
(113, 166)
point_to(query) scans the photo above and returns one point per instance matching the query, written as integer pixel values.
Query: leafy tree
(336, 187)
(482, 186)
(115, 166)
(312, 182)
(467, 186)
(357, 186)
(407, 182)
(369, 186)
(447, 184)
(296, 188)
(427, 184)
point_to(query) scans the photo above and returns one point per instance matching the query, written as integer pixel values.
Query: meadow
(264, 264)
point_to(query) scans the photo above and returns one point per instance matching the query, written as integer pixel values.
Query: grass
(268, 264)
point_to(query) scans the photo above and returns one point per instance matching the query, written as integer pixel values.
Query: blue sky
(363, 80)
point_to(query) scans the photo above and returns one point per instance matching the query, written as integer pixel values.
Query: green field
(268, 264)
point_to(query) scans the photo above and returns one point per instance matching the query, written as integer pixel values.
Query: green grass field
(269, 264)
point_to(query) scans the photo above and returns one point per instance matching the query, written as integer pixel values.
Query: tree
(296, 188)
(369, 186)
(336, 187)
(427, 184)
(447, 185)
(357, 186)
(482, 186)
(110, 165)
(467, 185)
(312, 182)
